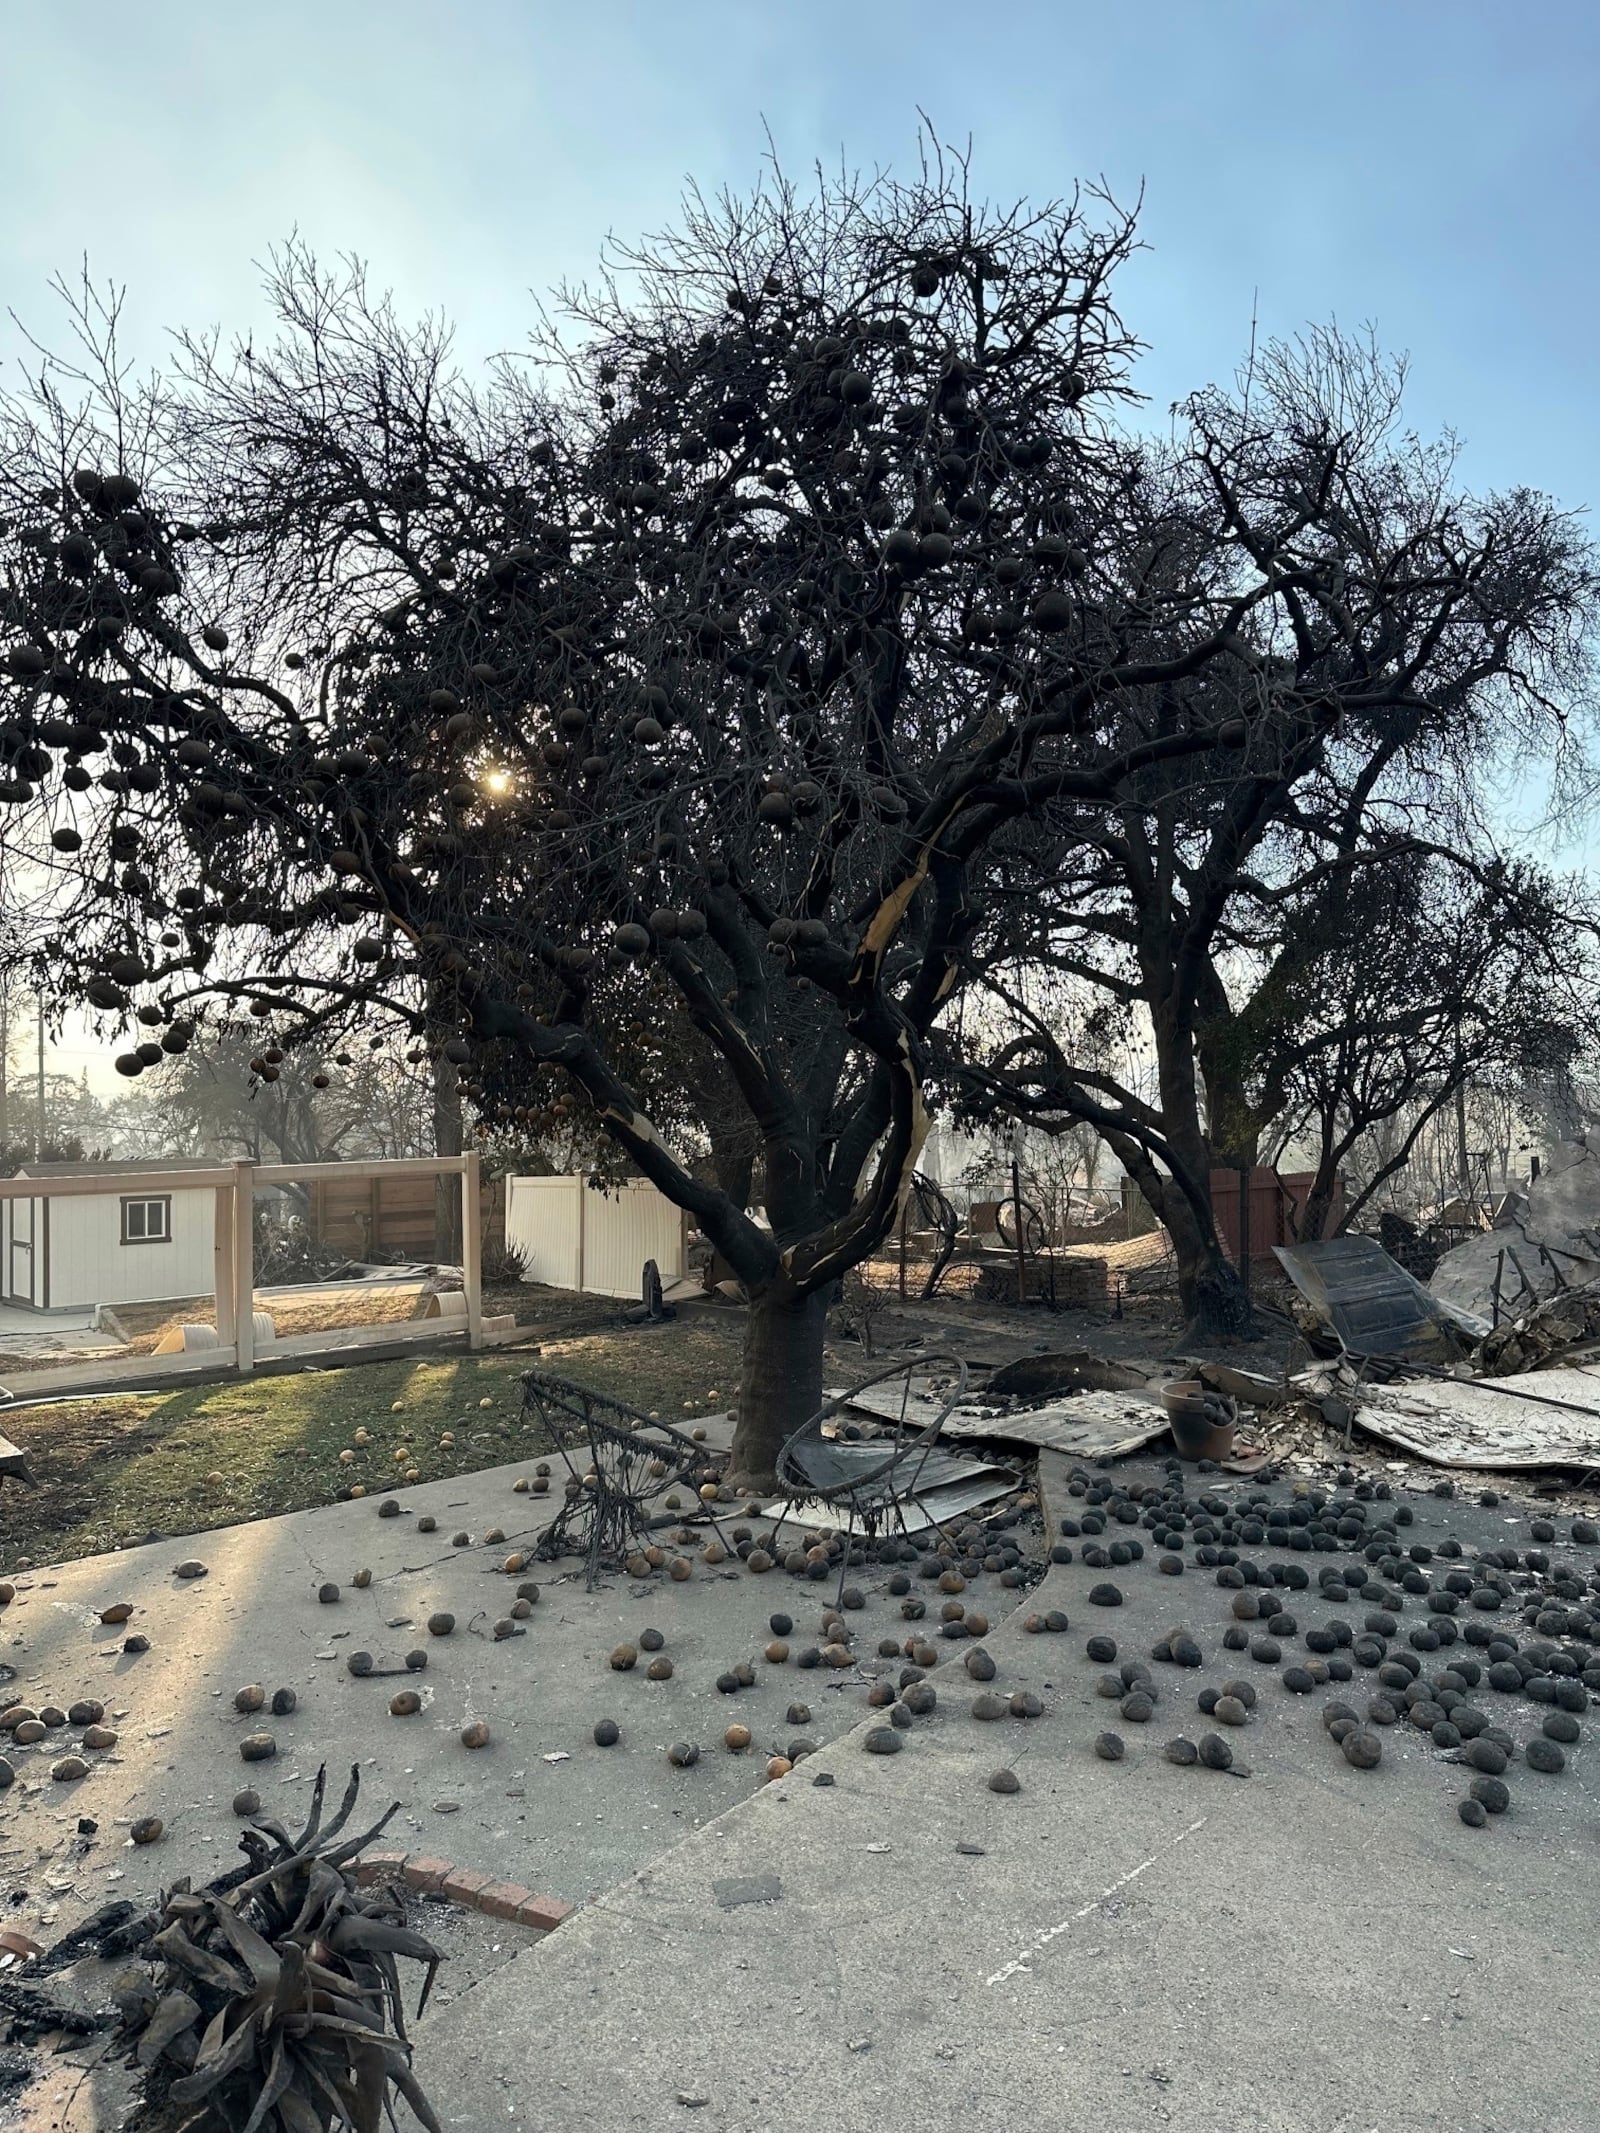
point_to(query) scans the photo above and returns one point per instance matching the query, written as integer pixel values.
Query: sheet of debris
(1549, 1418)
(1546, 1238)
(938, 1485)
(1088, 1425)
(1349, 1289)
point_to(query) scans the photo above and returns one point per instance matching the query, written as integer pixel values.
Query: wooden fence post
(222, 1276)
(244, 1265)
(472, 1246)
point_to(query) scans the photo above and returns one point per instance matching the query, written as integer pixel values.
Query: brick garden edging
(467, 1889)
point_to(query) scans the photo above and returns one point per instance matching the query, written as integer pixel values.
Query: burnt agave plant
(271, 2002)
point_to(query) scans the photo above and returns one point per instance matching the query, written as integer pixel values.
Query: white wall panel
(89, 1263)
(574, 1238)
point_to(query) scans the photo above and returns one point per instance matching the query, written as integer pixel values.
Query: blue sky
(1434, 168)
(1431, 168)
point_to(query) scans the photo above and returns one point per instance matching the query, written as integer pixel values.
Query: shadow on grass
(114, 1471)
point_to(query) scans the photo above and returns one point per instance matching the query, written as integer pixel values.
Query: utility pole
(1463, 1157)
(38, 1149)
(5, 1065)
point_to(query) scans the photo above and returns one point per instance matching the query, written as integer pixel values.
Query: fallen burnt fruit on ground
(280, 1983)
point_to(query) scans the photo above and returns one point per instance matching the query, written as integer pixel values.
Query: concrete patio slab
(542, 1806)
(1124, 1945)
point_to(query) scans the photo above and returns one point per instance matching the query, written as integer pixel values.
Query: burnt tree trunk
(735, 1173)
(1215, 1303)
(1319, 1200)
(780, 1385)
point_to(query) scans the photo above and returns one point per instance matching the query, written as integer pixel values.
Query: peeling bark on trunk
(781, 1381)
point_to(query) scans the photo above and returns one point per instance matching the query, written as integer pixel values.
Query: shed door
(19, 1272)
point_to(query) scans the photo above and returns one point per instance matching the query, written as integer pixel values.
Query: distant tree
(1418, 640)
(1421, 990)
(211, 1103)
(16, 1156)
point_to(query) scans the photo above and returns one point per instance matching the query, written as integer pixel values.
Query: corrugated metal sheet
(1373, 1306)
(1090, 1424)
(930, 1486)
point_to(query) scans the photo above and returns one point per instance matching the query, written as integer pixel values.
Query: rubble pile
(1545, 1334)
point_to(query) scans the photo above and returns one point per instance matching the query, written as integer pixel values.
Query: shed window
(147, 1221)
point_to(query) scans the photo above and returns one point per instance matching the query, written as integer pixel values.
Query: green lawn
(113, 1470)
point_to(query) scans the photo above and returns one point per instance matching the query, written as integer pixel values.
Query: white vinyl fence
(572, 1236)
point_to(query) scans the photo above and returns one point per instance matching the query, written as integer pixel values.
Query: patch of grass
(113, 1470)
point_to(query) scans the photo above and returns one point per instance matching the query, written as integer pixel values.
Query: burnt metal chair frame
(863, 1490)
(935, 1212)
(605, 1519)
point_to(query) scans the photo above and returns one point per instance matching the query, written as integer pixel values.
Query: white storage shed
(148, 1246)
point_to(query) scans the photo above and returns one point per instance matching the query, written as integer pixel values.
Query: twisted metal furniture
(619, 1464)
(874, 1476)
